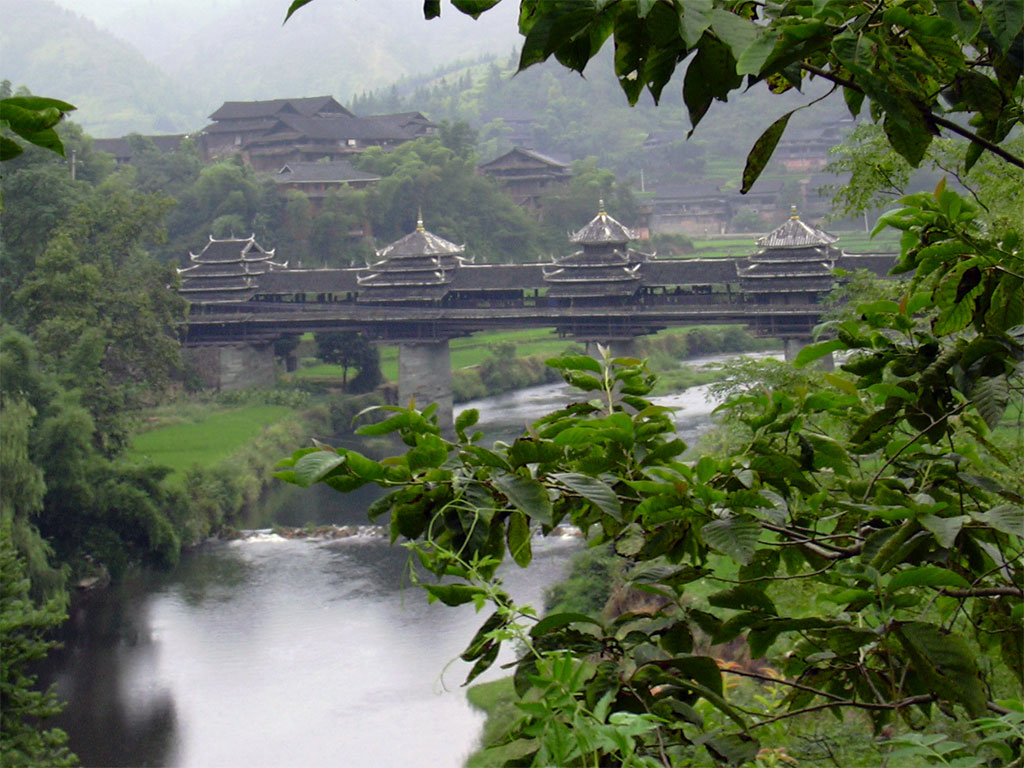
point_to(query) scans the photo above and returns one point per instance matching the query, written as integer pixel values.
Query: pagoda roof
(795, 233)
(231, 249)
(601, 230)
(420, 243)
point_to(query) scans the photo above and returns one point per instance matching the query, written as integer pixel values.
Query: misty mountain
(55, 52)
(162, 66)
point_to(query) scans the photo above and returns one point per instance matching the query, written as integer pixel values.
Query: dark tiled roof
(338, 129)
(333, 171)
(241, 110)
(529, 154)
(236, 126)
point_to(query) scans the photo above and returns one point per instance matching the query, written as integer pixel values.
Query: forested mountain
(125, 77)
(57, 52)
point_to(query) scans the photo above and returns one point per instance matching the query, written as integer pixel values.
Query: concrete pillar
(793, 346)
(618, 347)
(425, 375)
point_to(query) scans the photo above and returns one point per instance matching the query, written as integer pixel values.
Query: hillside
(58, 53)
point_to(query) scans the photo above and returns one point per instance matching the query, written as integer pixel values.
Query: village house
(526, 175)
(270, 134)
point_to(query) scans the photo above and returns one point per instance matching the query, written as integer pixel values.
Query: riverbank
(220, 450)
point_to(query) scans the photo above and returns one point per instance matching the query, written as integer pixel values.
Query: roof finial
(419, 219)
(600, 208)
(793, 213)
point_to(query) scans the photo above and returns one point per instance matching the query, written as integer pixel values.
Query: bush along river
(270, 651)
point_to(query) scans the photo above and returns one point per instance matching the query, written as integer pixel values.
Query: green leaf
(743, 597)
(556, 621)
(753, 57)
(519, 539)
(711, 75)
(1006, 309)
(963, 16)
(945, 529)
(695, 18)
(735, 31)
(296, 5)
(733, 536)
(474, 7)
(812, 352)
(631, 540)
(575, 363)
(453, 594)
(1005, 19)
(466, 419)
(477, 646)
(527, 495)
(990, 395)
(762, 151)
(703, 669)
(593, 490)
(8, 149)
(1006, 518)
(945, 664)
(927, 576)
(315, 466)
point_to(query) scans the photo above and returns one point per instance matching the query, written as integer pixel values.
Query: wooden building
(418, 268)
(527, 175)
(226, 271)
(317, 180)
(269, 134)
(125, 148)
(696, 210)
(795, 264)
(605, 267)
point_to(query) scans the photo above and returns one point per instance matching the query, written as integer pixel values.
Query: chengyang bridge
(424, 291)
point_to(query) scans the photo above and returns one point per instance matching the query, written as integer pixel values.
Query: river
(293, 653)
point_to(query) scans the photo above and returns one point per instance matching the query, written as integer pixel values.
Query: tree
(351, 350)
(23, 629)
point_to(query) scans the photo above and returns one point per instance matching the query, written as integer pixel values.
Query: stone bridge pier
(425, 376)
(618, 347)
(792, 347)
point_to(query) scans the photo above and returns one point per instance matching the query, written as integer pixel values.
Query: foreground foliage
(23, 628)
(883, 493)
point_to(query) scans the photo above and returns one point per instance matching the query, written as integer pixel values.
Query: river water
(293, 653)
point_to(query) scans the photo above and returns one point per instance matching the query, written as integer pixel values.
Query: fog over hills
(163, 65)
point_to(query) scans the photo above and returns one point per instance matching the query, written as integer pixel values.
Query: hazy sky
(154, 25)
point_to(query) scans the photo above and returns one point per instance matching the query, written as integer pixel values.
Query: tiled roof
(795, 233)
(529, 153)
(240, 110)
(603, 229)
(420, 243)
(333, 171)
(339, 129)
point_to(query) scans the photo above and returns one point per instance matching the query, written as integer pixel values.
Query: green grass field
(215, 437)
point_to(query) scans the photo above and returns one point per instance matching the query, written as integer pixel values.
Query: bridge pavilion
(424, 290)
